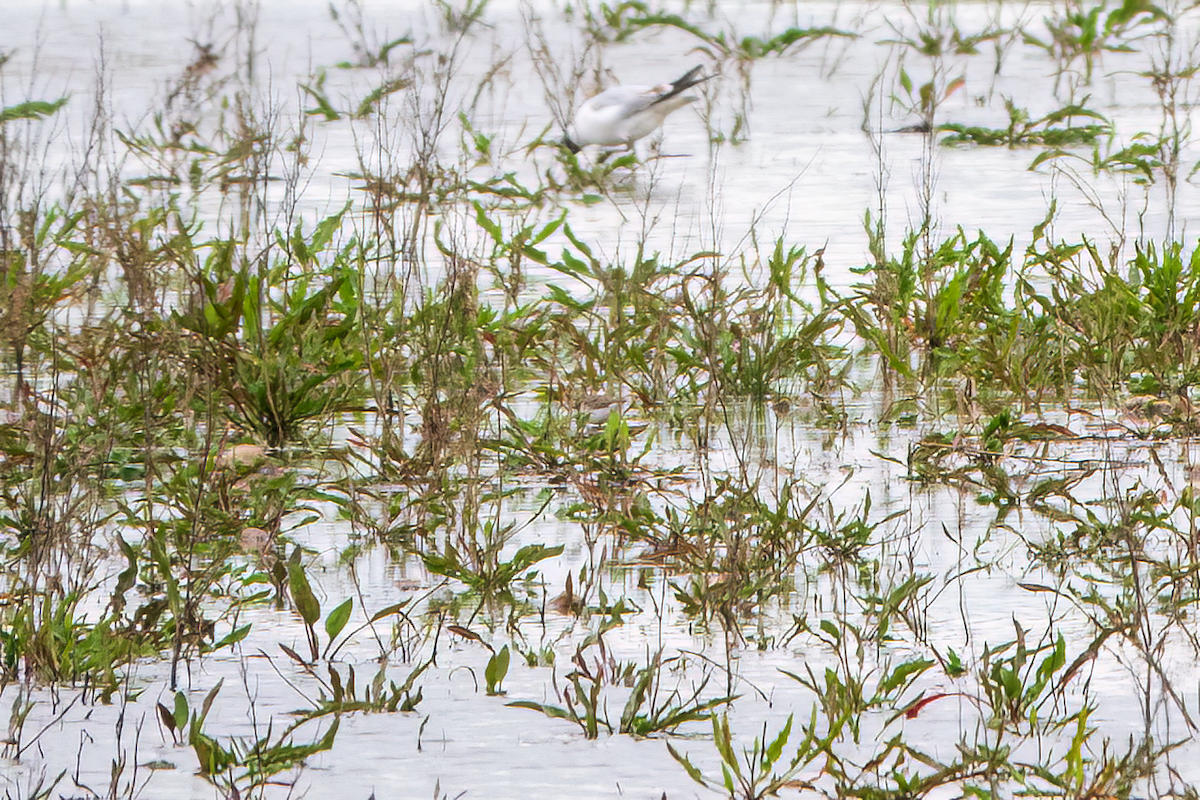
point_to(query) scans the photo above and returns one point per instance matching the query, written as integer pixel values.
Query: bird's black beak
(567, 143)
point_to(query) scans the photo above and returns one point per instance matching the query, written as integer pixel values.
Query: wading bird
(623, 114)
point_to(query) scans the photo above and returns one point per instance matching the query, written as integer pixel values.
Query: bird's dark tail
(691, 78)
(570, 145)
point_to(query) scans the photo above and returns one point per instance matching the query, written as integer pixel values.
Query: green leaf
(775, 749)
(548, 710)
(337, 619)
(638, 695)
(531, 554)
(691, 768)
(395, 608)
(497, 668)
(234, 636)
(306, 602)
(723, 740)
(492, 228)
(901, 675)
(196, 724)
(181, 711)
(550, 228)
(367, 105)
(32, 109)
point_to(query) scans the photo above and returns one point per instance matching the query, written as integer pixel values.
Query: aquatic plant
(760, 772)
(647, 709)
(1084, 32)
(554, 411)
(1022, 131)
(240, 765)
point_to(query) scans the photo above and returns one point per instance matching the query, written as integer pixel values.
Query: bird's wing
(630, 99)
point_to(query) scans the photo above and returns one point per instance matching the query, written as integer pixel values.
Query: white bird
(623, 114)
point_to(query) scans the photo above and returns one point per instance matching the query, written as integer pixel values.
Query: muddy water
(807, 173)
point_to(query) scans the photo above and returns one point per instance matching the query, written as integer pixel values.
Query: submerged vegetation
(943, 492)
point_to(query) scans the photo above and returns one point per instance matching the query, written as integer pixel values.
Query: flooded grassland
(358, 438)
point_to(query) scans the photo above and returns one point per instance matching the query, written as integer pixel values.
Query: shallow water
(807, 173)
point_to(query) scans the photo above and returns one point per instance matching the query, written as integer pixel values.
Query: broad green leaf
(306, 602)
(181, 711)
(497, 668)
(337, 619)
